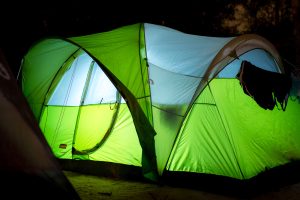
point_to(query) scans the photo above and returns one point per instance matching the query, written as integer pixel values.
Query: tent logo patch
(63, 146)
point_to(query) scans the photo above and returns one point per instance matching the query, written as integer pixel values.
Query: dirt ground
(91, 187)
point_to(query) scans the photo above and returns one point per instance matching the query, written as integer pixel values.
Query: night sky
(25, 23)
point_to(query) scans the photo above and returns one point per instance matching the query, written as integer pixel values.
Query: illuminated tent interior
(159, 100)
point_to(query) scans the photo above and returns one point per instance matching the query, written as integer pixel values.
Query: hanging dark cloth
(265, 87)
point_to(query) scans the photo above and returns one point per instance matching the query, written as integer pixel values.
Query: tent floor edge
(270, 180)
(103, 169)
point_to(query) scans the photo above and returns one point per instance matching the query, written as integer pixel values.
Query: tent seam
(233, 146)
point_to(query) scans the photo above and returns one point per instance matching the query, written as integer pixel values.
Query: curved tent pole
(106, 135)
(142, 36)
(239, 46)
(232, 50)
(54, 79)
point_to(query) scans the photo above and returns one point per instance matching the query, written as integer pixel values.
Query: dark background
(24, 23)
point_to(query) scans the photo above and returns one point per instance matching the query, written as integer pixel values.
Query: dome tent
(159, 99)
(28, 167)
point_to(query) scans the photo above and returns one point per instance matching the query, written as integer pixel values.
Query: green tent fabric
(153, 97)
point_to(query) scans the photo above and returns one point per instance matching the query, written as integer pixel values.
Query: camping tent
(152, 97)
(28, 168)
